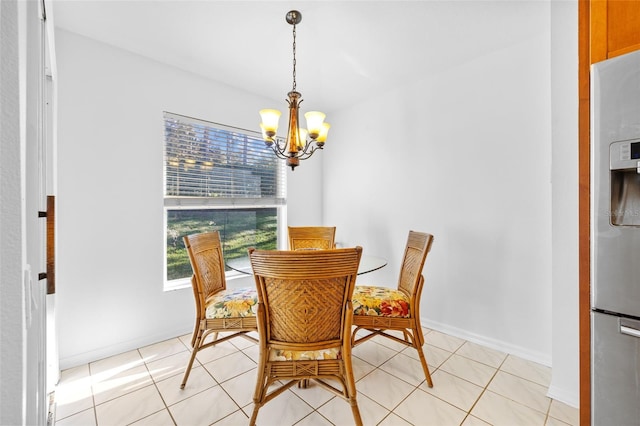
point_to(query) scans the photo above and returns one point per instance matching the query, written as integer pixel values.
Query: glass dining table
(367, 264)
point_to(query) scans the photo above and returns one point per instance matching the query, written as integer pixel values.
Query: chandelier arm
(304, 154)
(279, 150)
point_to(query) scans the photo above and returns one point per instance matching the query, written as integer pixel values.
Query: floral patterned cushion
(380, 301)
(230, 303)
(282, 355)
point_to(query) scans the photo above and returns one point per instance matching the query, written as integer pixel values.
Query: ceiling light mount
(294, 17)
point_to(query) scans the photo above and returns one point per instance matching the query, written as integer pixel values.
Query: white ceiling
(346, 50)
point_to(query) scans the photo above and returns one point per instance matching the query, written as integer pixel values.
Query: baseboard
(489, 342)
(570, 398)
(118, 348)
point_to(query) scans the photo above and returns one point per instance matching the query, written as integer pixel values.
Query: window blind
(208, 163)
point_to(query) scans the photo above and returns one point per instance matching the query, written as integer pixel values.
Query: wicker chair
(217, 309)
(380, 309)
(312, 237)
(304, 321)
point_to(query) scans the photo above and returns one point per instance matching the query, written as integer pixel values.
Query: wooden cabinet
(615, 28)
(606, 28)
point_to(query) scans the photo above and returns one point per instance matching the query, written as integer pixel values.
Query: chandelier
(300, 143)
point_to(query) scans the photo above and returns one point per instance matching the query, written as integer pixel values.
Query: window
(218, 178)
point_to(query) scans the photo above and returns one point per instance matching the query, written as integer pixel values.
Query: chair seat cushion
(230, 303)
(380, 301)
(285, 355)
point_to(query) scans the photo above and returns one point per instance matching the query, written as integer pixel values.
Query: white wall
(467, 155)
(12, 211)
(564, 174)
(467, 159)
(110, 294)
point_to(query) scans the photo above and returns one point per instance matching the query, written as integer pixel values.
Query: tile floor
(473, 385)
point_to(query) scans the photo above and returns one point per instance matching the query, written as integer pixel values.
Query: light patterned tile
(521, 390)
(393, 420)
(390, 343)
(107, 386)
(285, 409)
(564, 413)
(482, 354)
(186, 340)
(384, 388)
(314, 419)
(116, 364)
(370, 411)
(83, 418)
(555, 422)
(216, 352)
(454, 390)
(234, 419)
(204, 408)
(443, 341)
(338, 411)
(472, 371)
(389, 385)
(241, 388)
(243, 343)
(230, 366)
(130, 407)
(405, 368)
(314, 394)
(162, 349)
(253, 352)
(361, 368)
(73, 392)
(199, 380)
(474, 421)
(172, 365)
(75, 374)
(161, 418)
(373, 353)
(421, 408)
(500, 411)
(434, 355)
(529, 370)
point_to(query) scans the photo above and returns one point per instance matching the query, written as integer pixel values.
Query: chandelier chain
(294, 58)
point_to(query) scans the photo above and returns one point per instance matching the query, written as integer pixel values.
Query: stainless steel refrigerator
(615, 241)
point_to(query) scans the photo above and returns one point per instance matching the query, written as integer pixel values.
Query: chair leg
(194, 352)
(417, 344)
(254, 414)
(357, 419)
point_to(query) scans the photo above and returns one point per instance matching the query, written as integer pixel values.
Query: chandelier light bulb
(302, 139)
(323, 133)
(270, 118)
(314, 123)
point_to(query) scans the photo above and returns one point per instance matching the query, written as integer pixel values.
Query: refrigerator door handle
(630, 327)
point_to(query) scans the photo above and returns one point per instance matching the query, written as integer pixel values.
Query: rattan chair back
(207, 262)
(312, 237)
(415, 253)
(304, 305)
